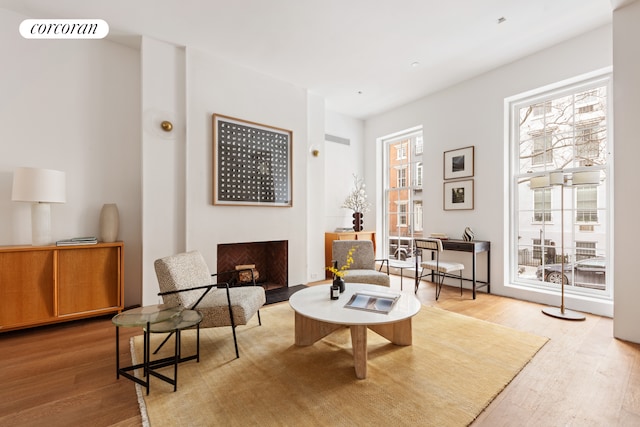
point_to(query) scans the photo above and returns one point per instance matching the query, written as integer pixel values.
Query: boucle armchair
(363, 268)
(185, 279)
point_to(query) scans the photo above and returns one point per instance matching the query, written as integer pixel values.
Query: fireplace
(270, 259)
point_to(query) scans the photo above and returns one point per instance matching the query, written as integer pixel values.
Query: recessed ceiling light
(359, 92)
(415, 64)
(501, 19)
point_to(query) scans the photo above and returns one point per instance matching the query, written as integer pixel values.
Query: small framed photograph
(458, 195)
(458, 163)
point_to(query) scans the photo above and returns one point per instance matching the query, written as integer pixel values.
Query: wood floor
(64, 375)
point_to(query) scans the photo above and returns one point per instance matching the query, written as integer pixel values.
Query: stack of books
(77, 241)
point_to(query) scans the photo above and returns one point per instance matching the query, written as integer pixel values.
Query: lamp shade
(539, 182)
(556, 178)
(39, 185)
(586, 178)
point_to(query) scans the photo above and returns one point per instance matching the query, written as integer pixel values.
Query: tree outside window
(542, 153)
(563, 129)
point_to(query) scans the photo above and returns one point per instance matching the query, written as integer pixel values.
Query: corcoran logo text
(64, 29)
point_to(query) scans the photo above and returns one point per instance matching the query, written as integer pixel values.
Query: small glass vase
(339, 281)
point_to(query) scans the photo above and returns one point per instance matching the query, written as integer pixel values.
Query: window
(542, 109)
(401, 151)
(587, 204)
(585, 250)
(417, 215)
(541, 150)
(402, 177)
(588, 145)
(403, 193)
(418, 145)
(402, 214)
(538, 250)
(561, 129)
(542, 205)
(418, 182)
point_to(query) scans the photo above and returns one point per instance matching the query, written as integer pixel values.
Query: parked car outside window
(400, 247)
(587, 273)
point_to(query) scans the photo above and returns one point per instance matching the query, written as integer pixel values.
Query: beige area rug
(456, 366)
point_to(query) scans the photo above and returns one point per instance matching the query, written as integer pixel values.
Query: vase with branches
(357, 202)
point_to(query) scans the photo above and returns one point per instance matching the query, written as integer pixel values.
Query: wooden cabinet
(40, 285)
(344, 235)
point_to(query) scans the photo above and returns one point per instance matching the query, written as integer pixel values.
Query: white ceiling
(357, 54)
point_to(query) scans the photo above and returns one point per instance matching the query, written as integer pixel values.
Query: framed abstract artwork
(251, 163)
(458, 195)
(458, 163)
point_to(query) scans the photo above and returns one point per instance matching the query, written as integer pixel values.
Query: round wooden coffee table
(316, 316)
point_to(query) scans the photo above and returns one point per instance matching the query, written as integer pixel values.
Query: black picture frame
(251, 163)
(458, 195)
(459, 163)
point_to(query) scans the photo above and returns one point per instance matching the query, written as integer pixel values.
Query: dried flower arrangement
(357, 199)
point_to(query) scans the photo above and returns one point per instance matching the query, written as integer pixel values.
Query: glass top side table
(186, 319)
(142, 315)
(157, 319)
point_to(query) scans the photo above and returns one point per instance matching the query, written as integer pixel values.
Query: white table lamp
(40, 187)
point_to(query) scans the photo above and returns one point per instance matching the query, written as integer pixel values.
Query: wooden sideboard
(344, 235)
(40, 285)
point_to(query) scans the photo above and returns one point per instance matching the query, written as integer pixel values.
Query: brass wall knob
(166, 126)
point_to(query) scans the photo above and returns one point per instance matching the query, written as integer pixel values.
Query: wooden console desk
(473, 247)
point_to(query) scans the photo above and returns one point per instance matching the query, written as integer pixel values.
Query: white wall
(343, 161)
(178, 211)
(215, 86)
(316, 188)
(472, 113)
(626, 72)
(92, 108)
(72, 105)
(163, 157)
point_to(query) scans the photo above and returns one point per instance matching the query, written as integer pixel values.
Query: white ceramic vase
(109, 222)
